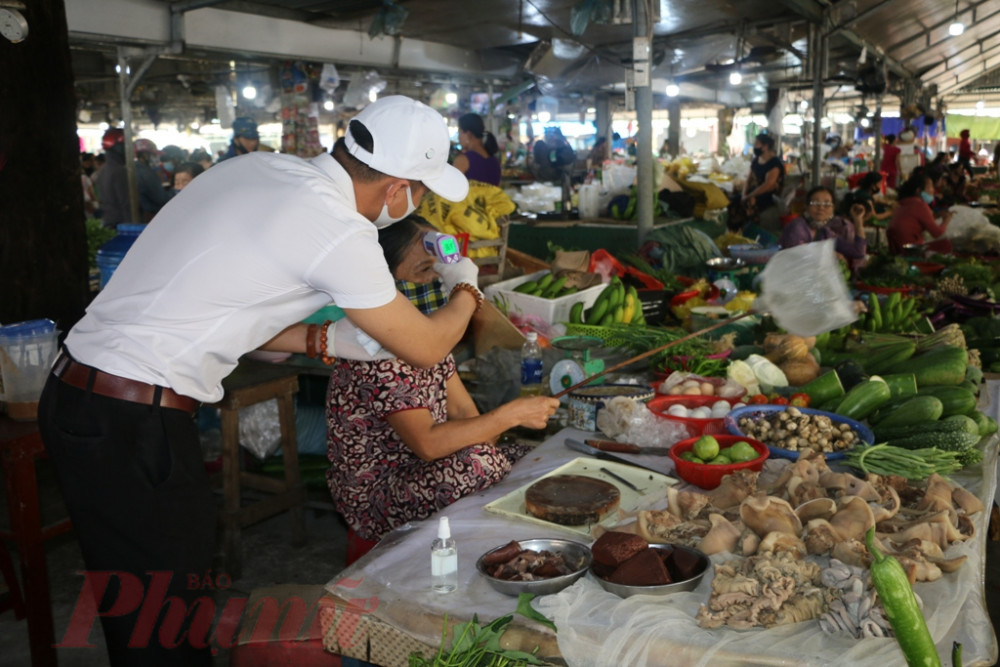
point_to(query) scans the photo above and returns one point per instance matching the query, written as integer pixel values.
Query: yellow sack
(707, 195)
(476, 216)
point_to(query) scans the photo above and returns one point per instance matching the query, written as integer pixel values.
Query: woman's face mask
(758, 151)
(927, 197)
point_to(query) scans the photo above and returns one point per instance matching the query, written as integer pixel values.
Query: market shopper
(403, 442)
(966, 156)
(245, 139)
(478, 159)
(254, 245)
(913, 216)
(818, 223)
(112, 181)
(762, 189)
(152, 194)
(184, 173)
(889, 154)
(909, 157)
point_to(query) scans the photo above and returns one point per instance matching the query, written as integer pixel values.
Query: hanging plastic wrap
(360, 88)
(804, 290)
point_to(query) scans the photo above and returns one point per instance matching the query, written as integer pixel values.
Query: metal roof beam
(963, 57)
(817, 13)
(926, 32)
(860, 16)
(990, 59)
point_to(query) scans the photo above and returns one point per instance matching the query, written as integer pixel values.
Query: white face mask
(384, 219)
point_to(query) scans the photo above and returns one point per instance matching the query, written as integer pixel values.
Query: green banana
(546, 280)
(526, 288)
(576, 313)
(619, 313)
(553, 289)
(598, 311)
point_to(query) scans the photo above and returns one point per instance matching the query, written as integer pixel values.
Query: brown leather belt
(77, 375)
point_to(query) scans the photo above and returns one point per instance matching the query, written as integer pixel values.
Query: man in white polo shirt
(251, 247)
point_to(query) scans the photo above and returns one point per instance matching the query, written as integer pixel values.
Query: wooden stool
(249, 384)
(20, 449)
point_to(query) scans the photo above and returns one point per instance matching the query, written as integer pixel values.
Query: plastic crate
(550, 310)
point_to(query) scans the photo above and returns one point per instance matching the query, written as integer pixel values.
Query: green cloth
(980, 128)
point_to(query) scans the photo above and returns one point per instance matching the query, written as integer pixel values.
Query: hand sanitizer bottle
(444, 560)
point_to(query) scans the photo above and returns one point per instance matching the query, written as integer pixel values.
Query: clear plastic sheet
(599, 629)
(804, 289)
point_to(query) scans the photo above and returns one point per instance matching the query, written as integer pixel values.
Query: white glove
(463, 271)
(345, 340)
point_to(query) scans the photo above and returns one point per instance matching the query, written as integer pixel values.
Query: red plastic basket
(659, 405)
(708, 476)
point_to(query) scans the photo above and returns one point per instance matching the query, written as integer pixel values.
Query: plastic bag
(627, 420)
(804, 290)
(971, 229)
(260, 430)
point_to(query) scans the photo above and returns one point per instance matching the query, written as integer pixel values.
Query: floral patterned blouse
(376, 481)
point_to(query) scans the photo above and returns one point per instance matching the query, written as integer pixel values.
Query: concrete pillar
(674, 131)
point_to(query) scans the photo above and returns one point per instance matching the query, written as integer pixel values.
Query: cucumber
(987, 425)
(956, 400)
(954, 441)
(940, 366)
(825, 388)
(901, 385)
(949, 425)
(864, 399)
(889, 357)
(916, 409)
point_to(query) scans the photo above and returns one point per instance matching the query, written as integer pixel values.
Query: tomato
(800, 400)
(758, 399)
(779, 400)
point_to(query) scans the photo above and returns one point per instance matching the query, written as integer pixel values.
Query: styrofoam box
(550, 310)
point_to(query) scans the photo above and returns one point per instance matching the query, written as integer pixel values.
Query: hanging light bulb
(328, 105)
(865, 122)
(372, 95)
(673, 90)
(957, 27)
(195, 125)
(735, 78)
(451, 97)
(980, 105)
(803, 105)
(544, 116)
(249, 91)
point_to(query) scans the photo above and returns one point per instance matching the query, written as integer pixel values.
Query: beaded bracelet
(323, 334)
(471, 289)
(311, 341)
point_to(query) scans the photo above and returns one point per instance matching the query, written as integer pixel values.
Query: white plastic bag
(260, 429)
(804, 290)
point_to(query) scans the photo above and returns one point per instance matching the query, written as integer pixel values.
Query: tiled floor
(268, 560)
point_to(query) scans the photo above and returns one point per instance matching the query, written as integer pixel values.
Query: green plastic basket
(606, 334)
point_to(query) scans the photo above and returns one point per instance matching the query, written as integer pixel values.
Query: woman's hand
(858, 214)
(531, 411)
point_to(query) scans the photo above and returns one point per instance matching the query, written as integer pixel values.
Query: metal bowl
(574, 553)
(624, 591)
(725, 263)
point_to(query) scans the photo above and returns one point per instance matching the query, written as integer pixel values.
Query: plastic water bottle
(444, 560)
(531, 366)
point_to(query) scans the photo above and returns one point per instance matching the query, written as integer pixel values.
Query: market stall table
(597, 628)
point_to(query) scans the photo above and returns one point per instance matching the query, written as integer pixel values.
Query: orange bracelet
(471, 289)
(323, 333)
(311, 341)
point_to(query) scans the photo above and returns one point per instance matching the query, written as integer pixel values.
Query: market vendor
(869, 187)
(818, 223)
(762, 189)
(403, 442)
(478, 159)
(253, 246)
(913, 216)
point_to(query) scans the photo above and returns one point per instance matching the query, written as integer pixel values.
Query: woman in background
(818, 223)
(184, 173)
(478, 160)
(913, 216)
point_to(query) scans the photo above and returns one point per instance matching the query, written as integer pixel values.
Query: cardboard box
(550, 310)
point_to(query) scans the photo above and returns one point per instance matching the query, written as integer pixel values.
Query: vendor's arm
(430, 441)
(926, 219)
(795, 233)
(461, 163)
(770, 183)
(460, 403)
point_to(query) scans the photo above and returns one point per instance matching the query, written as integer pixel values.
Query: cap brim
(451, 184)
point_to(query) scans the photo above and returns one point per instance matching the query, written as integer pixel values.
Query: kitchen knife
(625, 448)
(578, 446)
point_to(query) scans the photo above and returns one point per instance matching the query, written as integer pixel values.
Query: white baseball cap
(410, 140)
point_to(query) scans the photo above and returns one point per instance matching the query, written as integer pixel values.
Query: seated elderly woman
(818, 223)
(404, 441)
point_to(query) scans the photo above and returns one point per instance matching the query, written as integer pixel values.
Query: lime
(720, 460)
(688, 456)
(743, 451)
(706, 448)
(728, 453)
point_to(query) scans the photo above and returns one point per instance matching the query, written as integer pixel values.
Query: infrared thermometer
(443, 246)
